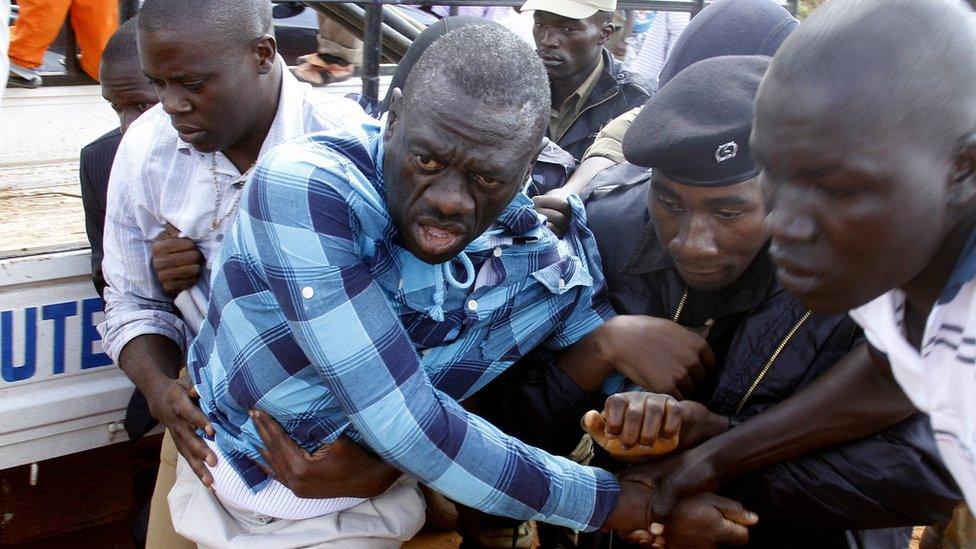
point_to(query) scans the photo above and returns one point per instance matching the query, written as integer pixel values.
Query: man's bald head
(225, 22)
(865, 128)
(487, 62)
(893, 66)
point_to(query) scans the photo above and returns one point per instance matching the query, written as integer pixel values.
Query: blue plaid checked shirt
(319, 318)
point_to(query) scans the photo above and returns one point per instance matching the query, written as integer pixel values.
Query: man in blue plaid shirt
(376, 276)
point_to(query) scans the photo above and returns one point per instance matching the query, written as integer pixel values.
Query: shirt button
(497, 252)
(220, 238)
(562, 284)
(473, 305)
(308, 292)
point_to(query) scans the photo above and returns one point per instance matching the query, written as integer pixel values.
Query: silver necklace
(218, 219)
(219, 197)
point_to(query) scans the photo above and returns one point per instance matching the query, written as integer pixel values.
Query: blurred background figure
(4, 43)
(651, 40)
(38, 25)
(338, 52)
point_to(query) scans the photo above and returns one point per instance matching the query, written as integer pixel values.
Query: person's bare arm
(587, 170)
(659, 355)
(153, 363)
(855, 398)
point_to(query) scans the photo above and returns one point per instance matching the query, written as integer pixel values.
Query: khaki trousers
(335, 40)
(383, 522)
(161, 534)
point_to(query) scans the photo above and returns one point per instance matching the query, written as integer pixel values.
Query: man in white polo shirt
(226, 98)
(866, 130)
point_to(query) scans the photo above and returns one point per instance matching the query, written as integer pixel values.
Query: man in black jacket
(589, 87)
(130, 94)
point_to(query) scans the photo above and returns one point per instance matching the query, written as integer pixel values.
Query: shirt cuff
(118, 330)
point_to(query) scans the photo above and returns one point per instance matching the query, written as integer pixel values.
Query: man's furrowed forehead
(127, 73)
(465, 116)
(738, 194)
(172, 59)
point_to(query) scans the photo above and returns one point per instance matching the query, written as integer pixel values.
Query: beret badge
(726, 151)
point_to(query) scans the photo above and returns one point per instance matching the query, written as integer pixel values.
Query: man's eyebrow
(726, 201)
(661, 189)
(180, 77)
(420, 142)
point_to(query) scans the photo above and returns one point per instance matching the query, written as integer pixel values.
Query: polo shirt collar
(963, 272)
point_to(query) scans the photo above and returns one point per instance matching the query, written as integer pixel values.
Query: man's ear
(962, 183)
(393, 115)
(266, 50)
(605, 33)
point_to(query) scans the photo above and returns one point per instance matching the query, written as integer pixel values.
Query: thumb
(594, 425)
(734, 534)
(734, 512)
(170, 231)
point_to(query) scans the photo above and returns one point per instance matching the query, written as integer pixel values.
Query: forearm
(890, 479)
(587, 170)
(151, 360)
(852, 400)
(537, 403)
(586, 362)
(472, 462)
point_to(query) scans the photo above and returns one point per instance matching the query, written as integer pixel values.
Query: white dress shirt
(157, 179)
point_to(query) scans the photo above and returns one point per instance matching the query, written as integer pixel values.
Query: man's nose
(173, 101)
(548, 39)
(696, 239)
(789, 218)
(449, 195)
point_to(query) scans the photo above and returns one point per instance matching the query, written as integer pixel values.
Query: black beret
(696, 129)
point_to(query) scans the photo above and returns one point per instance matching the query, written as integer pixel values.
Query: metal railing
(387, 33)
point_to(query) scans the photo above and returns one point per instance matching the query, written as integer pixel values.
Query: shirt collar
(288, 123)
(586, 88)
(574, 103)
(745, 294)
(963, 272)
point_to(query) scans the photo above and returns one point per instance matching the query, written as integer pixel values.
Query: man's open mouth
(436, 240)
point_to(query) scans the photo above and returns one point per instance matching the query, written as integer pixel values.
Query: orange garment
(39, 22)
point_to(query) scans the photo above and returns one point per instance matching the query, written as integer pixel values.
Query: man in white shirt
(226, 97)
(866, 130)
